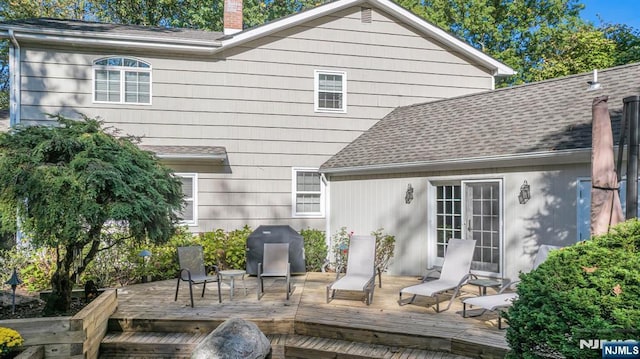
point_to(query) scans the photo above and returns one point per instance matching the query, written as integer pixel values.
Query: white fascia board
(528, 159)
(111, 40)
(445, 37)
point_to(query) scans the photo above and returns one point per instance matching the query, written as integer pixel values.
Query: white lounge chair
(361, 273)
(501, 301)
(275, 263)
(454, 274)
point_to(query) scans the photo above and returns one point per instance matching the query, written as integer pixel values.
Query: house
(246, 118)
(461, 168)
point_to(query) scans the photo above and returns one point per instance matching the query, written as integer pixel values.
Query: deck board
(151, 307)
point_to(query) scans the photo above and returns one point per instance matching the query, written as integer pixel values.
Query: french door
(471, 210)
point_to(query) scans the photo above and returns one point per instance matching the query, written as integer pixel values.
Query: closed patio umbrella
(606, 210)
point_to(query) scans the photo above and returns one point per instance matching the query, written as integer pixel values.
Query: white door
(471, 210)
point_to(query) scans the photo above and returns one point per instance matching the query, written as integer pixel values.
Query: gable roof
(422, 26)
(537, 121)
(206, 42)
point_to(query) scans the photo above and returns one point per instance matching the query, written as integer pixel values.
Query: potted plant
(10, 343)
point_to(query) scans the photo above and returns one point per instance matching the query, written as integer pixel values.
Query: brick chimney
(232, 16)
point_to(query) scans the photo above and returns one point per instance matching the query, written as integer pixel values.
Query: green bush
(590, 290)
(385, 245)
(225, 249)
(37, 271)
(315, 249)
(34, 266)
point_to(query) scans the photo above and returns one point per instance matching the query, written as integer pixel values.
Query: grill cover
(275, 234)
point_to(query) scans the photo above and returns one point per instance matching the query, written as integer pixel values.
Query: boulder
(234, 339)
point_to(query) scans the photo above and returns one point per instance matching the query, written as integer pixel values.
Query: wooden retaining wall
(92, 322)
(76, 337)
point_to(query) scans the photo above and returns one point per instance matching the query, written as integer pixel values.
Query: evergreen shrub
(589, 291)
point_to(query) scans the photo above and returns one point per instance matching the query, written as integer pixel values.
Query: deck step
(304, 347)
(146, 345)
(139, 345)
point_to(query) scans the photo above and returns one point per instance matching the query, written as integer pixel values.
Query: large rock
(234, 339)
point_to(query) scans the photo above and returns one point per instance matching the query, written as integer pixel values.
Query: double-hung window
(330, 91)
(189, 213)
(307, 193)
(121, 80)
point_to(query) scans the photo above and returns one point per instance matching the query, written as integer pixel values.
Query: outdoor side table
(232, 274)
(483, 283)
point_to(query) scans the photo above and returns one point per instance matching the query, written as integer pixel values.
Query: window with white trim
(189, 213)
(330, 91)
(307, 193)
(121, 80)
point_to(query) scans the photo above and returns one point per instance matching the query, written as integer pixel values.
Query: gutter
(191, 157)
(528, 159)
(198, 47)
(14, 80)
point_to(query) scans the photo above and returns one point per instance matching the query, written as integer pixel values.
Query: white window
(584, 205)
(307, 193)
(330, 91)
(189, 213)
(121, 80)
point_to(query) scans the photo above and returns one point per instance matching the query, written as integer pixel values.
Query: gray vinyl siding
(257, 100)
(366, 203)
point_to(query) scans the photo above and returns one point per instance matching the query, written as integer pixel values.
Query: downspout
(327, 218)
(14, 104)
(14, 81)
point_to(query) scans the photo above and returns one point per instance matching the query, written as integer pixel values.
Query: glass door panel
(483, 224)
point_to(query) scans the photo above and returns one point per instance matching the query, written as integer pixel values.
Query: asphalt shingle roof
(544, 116)
(78, 26)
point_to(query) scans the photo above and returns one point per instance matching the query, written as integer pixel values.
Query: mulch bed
(29, 305)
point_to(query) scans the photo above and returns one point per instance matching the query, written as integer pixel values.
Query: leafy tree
(575, 52)
(73, 183)
(627, 40)
(516, 32)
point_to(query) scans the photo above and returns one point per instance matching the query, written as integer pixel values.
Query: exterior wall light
(525, 193)
(408, 197)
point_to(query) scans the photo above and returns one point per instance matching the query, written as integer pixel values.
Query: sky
(612, 11)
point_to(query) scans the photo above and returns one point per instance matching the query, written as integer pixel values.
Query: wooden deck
(150, 308)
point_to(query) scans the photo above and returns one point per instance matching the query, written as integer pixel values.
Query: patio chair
(275, 263)
(501, 301)
(193, 271)
(361, 273)
(454, 274)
